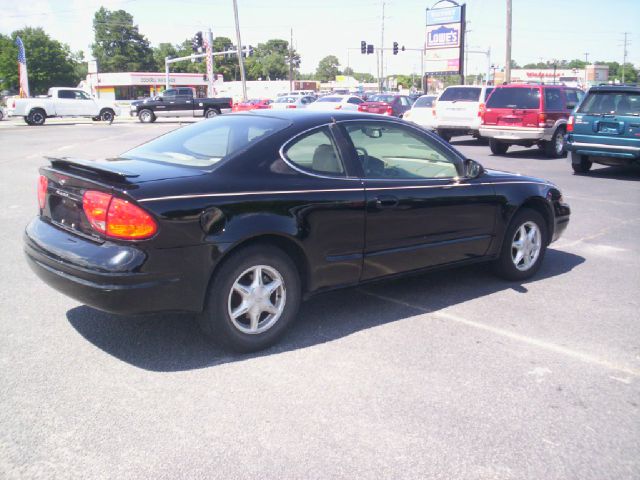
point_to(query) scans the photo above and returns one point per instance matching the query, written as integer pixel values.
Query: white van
(457, 110)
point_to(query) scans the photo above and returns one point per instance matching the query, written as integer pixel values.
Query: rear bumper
(116, 278)
(617, 153)
(516, 134)
(457, 125)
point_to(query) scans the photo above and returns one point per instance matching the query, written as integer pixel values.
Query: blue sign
(438, 16)
(445, 36)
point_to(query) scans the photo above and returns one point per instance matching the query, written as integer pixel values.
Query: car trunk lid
(514, 107)
(374, 107)
(68, 179)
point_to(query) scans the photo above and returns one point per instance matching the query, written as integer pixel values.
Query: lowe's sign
(443, 36)
(445, 40)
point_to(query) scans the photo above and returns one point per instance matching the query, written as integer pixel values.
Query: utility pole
(624, 56)
(381, 79)
(210, 74)
(240, 60)
(507, 62)
(291, 62)
(586, 62)
(466, 52)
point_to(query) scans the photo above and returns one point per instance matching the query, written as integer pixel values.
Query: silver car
(292, 101)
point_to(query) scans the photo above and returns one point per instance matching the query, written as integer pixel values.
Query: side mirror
(472, 169)
(571, 106)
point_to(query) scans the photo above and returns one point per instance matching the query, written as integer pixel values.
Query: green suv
(605, 128)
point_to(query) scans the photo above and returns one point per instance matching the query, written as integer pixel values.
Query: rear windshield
(617, 103)
(287, 100)
(521, 98)
(453, 94)
(329, 99)
(206, 143)
(487, 92)
(424, 102)
(382, 98)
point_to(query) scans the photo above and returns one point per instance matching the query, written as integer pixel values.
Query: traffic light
(363, 47)
(369, 49)
(197, 42)
(395, 48)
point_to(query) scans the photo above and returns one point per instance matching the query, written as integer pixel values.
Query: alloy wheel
(257, 299)
(526, 246)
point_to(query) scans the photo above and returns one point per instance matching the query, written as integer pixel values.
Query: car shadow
(471, 142)
(174, 342)
(630, 173)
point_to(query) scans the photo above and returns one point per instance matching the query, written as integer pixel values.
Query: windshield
(617, 103)
(521, 98)
(382, 98)
(286, 100)
(205, 143)
(423, 102)
(329, 99)
(453, 94)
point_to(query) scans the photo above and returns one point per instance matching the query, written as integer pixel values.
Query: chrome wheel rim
(559, 144)
(211, 113)
(37, 118)
(106, 116)
(257, 299)
(526, 246)
(145, 116)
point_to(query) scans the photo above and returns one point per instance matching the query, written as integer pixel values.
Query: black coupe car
(239, 217)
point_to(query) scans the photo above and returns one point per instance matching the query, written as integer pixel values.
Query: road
(450, 375)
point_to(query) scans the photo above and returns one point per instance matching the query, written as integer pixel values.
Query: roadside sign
(444, 41)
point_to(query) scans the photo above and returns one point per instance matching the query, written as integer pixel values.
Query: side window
(66, 94)
(171, 93)
(572, 97)
(487, 92)
(316, 152)
(80, 95)
(354, 100)
(553, 99)
(405, 102)
(391, 151)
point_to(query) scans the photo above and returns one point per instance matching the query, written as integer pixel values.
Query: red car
(527, 115)
(387, 104)
(254, 104)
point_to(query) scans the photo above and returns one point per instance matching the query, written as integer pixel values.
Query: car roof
(310, 118)
(615, 88)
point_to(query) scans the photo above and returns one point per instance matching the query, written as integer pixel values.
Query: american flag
(22, 69)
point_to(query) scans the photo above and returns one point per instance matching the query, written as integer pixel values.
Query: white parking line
(535, 342)
(599, 233)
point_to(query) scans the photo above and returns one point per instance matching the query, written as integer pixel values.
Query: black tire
(555, 148)
(505, 266)
(107, 115)
(211, 112)
(216, 320)
(37, 116)
(95, 119)
(443, 134)
(580, 163)
(26, 120)
(1, 115)
(497, 147)
(146, 116)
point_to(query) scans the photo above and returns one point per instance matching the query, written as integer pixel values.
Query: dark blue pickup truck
(178, 102)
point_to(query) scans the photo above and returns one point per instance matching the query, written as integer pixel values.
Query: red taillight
(542, 120)
(389, 110)
(362, 108)
(116, 217)
(337, 107)
(481, 110)
(291, 106)
(43, 184)
(570, 123)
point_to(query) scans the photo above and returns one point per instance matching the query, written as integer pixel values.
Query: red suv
(527, 115)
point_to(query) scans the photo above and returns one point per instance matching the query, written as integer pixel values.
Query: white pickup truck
(62, 102)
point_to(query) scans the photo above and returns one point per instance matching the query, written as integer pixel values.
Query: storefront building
(127, 86)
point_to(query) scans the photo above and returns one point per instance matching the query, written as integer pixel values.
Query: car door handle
(387, 201)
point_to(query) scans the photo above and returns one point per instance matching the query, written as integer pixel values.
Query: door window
(405, 102)
(316, 152)
(553, 99)
(66, 94)
(354, 100)
(388, 151)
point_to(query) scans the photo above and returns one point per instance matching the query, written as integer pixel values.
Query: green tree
(119, 46)
(271, 61)
(615, 71)
(364, 77)
(348, 71)
(328, 68)
(49, 62)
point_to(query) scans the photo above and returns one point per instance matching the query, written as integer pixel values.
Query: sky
(542, 29)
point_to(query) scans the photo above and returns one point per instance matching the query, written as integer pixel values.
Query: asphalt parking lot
(450, 375)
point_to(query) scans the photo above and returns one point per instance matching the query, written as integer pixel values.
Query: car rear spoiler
(108, 169)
